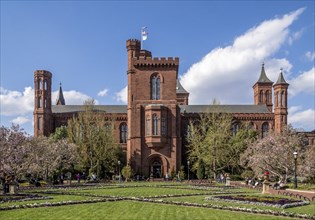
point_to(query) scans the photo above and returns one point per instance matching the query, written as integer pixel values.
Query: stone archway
(154, 163)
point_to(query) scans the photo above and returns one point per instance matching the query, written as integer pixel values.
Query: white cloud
(302, 118)
(237, 67)
(310, 55)
(15, 102)
(72, 97)
(103, 93)
(305, 83)
(20, 120)
(294, 36)
(121, 96)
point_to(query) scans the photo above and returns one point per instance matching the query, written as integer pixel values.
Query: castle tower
(42, 110)
(60, 99)
(281, 103)
(154, 142)
(263, 90)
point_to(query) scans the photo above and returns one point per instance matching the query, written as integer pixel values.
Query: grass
(140, 210)
(126, 210)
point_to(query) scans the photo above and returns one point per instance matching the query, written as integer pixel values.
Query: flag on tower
(144, 33)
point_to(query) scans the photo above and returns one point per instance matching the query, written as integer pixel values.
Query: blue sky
(221, 46)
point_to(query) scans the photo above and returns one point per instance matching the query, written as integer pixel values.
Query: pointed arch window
(235, 128)
(261, 96)
(283, 99)
(45, 85)
(123, 133)
(155, 87)
(39, 123)
(265, 129)
(40, 102)
(148, 125)
(267, 96)
(163, 126)
(40, 84)
(155, 127)
(279, 99)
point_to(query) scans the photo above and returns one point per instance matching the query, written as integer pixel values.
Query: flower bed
(21, 197)
(261, 201)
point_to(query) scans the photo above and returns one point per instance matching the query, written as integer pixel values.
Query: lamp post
(188, 162)
(119, 170)
(295, 179)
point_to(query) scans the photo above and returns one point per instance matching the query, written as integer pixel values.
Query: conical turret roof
(263, 77)
(60, 99)
(281, 79)
(180, 88)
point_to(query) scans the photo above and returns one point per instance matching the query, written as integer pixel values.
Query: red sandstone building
(158, 112)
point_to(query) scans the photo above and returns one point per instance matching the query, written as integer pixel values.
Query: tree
(201, 169)
(208, 139)
(14, 150)
(95, 138)
(60, 133)
(307, 168)
(47, 158)
(127, 172)
(274, 153)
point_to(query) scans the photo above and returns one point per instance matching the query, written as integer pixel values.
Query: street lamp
(188, 162)
(295, 179)
(119, 170)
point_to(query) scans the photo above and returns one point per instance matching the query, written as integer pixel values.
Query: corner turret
(281, 102)
(263, 90)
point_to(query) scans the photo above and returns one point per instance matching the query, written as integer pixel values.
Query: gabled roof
(224, 108)
(281, 79)
(60, 99)
(180, 88)
(263, 77)
(81, 108)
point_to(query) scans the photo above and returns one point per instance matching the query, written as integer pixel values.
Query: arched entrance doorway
(156, 168)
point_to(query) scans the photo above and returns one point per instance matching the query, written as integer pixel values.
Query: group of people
(254, 182)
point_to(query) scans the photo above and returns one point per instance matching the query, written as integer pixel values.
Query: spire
(179, 87)
(263, 77)
(281, 79)
(60, 99)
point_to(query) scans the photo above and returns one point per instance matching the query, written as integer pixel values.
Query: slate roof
(281, 79)
(60, 97)
(263, 77)
(81, 108)
(224, 108)
(183, 108)
(180, 88)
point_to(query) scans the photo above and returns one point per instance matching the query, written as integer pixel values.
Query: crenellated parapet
(155, 61)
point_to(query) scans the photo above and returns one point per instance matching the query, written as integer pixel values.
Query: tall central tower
(154, 142)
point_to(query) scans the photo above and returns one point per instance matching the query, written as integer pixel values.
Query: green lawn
(126, 210)
(131, 209)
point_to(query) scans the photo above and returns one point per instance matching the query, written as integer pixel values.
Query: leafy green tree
(127, 172)
(182, 174)
(95, 137)
(60, 133)
(201, 169)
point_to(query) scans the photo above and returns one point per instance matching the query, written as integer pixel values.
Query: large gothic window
(155, 87)
(155, 121)
(261, 96)
(265, 129)
(123, 133)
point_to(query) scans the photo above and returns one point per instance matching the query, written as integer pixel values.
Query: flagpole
(141, 38)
